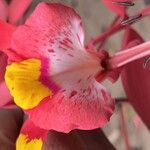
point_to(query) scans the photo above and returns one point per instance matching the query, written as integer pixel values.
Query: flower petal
(119, 9)
(136, 79)
(31, 137)
(82, 105)
(17, 8)
(51, 26)
(23, 82)
(54, 34)
(6, 31)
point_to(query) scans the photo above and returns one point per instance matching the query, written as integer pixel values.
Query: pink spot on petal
(89, 77)
(51, 50)
(84, 90)
(89, 91)
(68, 40)
(58, 59)
(63, 48)
(79, 39)
(106, 98)
(70, 55)
(79, 80)
(73, 93)
(65, 44)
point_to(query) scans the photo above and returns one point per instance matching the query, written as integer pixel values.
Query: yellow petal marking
(22, 79)
(23, 143)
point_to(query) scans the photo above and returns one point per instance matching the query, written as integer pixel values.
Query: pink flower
(52, 76)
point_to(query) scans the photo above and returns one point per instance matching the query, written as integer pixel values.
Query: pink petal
(58, 27)
(31, 136)
(54, 33)
(3, 10)
(30, 130)
(119, 9)
(17, 8)
(136, 79)
(6, 31)
(86, 108)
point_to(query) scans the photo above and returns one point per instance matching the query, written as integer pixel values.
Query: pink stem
(124, 57)
(112, 24)
(115, 27)
(109, 32)
(123, 127)
(104, 35)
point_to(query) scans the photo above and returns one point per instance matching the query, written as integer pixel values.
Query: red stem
(115, 27)
(104, 35)
(124, 57)
(102, 42)
(109, 32)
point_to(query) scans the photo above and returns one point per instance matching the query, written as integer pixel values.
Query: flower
(55, 79)
(52, 76)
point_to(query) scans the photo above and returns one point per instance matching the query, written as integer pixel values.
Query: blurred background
(96, 18)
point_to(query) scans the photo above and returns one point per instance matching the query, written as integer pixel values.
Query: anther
(126, 3)
(146, 63)
(132, 19)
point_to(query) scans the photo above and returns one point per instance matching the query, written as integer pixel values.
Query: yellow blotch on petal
(22, 79)
(23, 143)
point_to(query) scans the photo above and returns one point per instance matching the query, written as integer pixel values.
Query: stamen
(121, 100)
(124, 57)
(127, 3)
(132, 19)
(146, 63)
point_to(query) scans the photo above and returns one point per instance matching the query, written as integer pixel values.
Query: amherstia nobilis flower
(52, 76)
